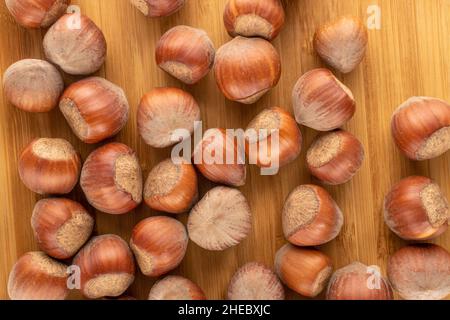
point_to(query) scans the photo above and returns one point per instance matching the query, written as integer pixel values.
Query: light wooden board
(408, 56)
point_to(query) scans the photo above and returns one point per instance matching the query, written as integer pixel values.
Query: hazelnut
(61, 226)
(416, 209)
(95, 109)
(49, 166)
(247, 68)
(311, 217)
(159, 245)
(421, 128)
(162, 111)
(35, 276)
(176, 288)
(250, 18)
(306, 271)
(185, 53)
(111, 179)
(342, 43)
(106, 267)
(354, 282)
(321, 101)
(158, 8)
(171, 187)
(218, 158)
(77, 50)
(335, 157)
(37, 13)
(254, 281)
(221, 220)
(259, 134)
(420, 272)
(33, 85)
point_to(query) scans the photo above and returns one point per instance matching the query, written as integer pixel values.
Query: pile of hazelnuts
(245, 69)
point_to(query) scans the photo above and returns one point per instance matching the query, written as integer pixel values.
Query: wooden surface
(408, 56)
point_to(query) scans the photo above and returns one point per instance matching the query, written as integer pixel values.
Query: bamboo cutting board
(408, 56)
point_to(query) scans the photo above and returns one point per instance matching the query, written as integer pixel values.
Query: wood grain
(409, 56)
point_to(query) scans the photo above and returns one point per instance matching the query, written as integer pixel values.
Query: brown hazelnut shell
(49, 166)
(304, 270)
(159, 245)
(35, 276)
(290, 138)
(95, 109)
(77, 51)
(416, 209)
(321, 101)
(311, 217)
(33, 85)
(61, 226)
(335, 157)
(171, 187)
(176, 288)
(254, 18)
(37, 13)
(111, 179)
(421, 128)
(186, 53)
(247, 68)
(158, 8)
(106, 267)
(342, 43)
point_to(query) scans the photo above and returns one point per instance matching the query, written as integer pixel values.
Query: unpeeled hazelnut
(358, 282)
(219, 159)
(111, 179)
(159, 245)
(186, 53)
(311, 217)
(176, 288)
(416, 209)
(246, 69)
(420, 272)
(306, 271)
(106, 267)
(342, 43)
(33, 85)
(254, 281)
(220, 220)
(35, 276)
(61, 226)
(95, 109)
(260, 134)
(49, 166)
(162, 112)
(421, 128)
(36, 13)
(158, 8)
(250, 18)
(75, 44)
(335, 157)
(321, 101)
(171, 187)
